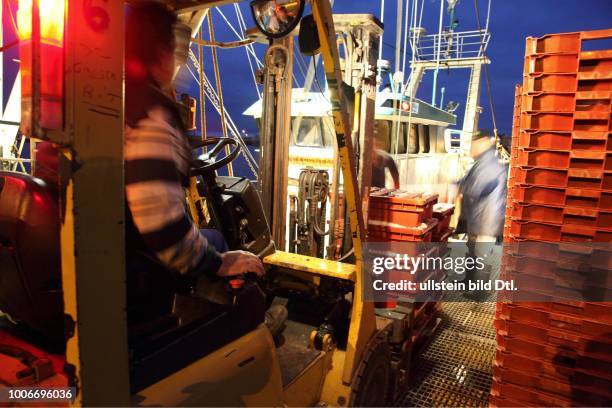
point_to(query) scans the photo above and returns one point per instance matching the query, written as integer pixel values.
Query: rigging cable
(382, 20)
(400, 91)
(202, 97)
(250, 48)
(421, 13)
(211, 33)
(212, 96)
(242, 27)
(486, 70)
(412, 92)
(301, 64)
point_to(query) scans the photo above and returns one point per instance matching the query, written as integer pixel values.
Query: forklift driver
(157, 157)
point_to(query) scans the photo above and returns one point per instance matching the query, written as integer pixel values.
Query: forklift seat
(166, 331)
(30, 273)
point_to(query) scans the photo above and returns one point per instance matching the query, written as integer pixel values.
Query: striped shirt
(157, 158)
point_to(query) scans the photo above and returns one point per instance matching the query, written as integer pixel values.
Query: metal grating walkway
(455, 367)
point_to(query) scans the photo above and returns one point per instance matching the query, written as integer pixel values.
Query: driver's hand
(238, 263)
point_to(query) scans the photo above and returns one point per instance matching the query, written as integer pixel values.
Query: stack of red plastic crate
(397, 215)
(558, 353)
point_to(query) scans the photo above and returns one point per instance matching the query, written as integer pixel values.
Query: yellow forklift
(182, 350)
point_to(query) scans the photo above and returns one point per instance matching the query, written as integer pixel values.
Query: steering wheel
(206, 163)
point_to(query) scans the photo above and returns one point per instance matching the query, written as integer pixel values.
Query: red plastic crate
(406, 209)
(595, 75)
(586, 95)
(596, 61)
(576, 197)
(593, 329)
(527, 396)
(577, 178)
(608, 164)
(570, 256)
(444, 236)
(597, 141)
(579, 140)
(578, 387)
(543, 158)
(597, 106)
(554, 328)
(555, 83)
(547, 121)
(551, 63)
(593, 82)
(587, 217)
(563, 356)
(599, 311)
(443, 213)
(589, 122)
(566, 285)
(549, 266)
(552, 232)
(553, 43)
(502, 402)
(545, 140)
(551, 361)
(589, 159)
(392, 232)
(549, 102)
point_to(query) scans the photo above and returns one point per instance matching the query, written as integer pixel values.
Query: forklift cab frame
(92, 199)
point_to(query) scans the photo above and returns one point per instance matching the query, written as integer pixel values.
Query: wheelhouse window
(308, 132)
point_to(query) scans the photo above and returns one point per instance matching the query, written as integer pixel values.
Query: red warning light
(41, 52)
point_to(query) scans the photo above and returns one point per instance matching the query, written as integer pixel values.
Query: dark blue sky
(511, 22)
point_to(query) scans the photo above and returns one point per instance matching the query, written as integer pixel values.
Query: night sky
(511, 22)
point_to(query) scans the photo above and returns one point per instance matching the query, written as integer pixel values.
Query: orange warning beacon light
(41, 52)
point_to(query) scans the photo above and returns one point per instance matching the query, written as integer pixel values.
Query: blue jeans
(216, 239)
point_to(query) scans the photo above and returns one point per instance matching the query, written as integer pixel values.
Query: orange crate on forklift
(406, 209)
(443, 213)
(386, 232)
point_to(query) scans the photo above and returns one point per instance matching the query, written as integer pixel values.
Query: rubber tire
(372, 384)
